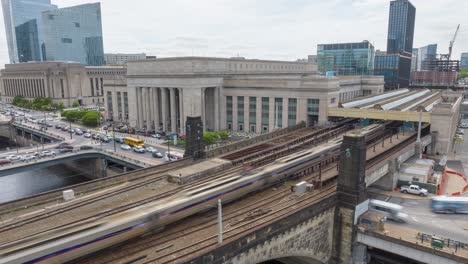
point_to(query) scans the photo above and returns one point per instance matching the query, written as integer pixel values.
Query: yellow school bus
(134, 142)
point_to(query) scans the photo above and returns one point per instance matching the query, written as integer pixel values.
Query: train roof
(450, 198)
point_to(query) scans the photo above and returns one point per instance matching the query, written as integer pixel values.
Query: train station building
(238, 94)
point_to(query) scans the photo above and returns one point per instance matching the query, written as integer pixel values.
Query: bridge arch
(293, 260)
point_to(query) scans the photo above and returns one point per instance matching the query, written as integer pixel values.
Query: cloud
(263, 29)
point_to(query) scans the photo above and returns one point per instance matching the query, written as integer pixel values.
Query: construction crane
(447, 56)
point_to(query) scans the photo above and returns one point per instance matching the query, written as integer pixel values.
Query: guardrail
(39, 131)
(75, 151)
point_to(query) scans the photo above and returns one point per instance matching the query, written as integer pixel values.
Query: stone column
(150, 109)
(203, 116)
(164, 108)
(271, 120)
(246, 114)
(285, 112)
(258, 121)
(115, 107)
(181, 111)
(217, 109)
(173, 110)
(132, 105)
(144, 95)
(156, 108)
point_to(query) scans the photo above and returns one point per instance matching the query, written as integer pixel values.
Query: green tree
(60, 107)
(463, 73)
(209, 138)
(224, 135)
(75, 104)
(90, 118)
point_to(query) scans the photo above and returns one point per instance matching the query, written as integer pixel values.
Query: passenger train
(76, 240)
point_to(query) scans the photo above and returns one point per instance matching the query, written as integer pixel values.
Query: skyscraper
(74, 34)
(401, 26)
(426, 54)
(24, 16)
(346, 58)
(464, 60)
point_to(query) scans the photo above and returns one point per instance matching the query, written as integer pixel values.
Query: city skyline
(228, 29)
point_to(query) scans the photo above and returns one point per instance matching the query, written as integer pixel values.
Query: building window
(333, 100)
(240, 112)
(229, 109)
(61, 88)
(252, 111)
(66, 40)
(119, 102)
(292, 111)
(279, 112)
(312, 110)
(126, 104)
(109, 102)
(77, 24)
(265, 113)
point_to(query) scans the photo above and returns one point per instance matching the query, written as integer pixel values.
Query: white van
(391, 211)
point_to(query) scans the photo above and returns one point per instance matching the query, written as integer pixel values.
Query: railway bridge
(315, 226)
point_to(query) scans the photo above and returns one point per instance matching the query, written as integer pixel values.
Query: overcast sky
(263, 29)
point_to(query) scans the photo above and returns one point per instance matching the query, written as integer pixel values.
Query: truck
(414, 189)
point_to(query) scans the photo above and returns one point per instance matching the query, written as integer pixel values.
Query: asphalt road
(79, 140)
(421, 218)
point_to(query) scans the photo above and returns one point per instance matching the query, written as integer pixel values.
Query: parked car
(87, 135)
(158, 136)
(64, 146)
(414, 189)
(139, 149)
(125, 147)
(95, 136)
(157, 155)
(151, 150)
(65, 128)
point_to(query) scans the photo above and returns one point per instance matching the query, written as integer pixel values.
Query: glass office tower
(74, 34)
(401, 26)
(18, 15)
(464, 60)
(395, 68)
(346, 58)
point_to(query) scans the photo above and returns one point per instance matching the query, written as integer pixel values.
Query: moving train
(76, 240)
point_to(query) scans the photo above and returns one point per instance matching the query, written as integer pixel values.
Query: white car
(87, 135)
(47, 153)
(13, 157)
(125, 147)
(151, 150)
(28, 157)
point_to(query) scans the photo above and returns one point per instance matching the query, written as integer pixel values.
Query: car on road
(119, 139)
(105, 139)
(13, 158)
(4, 162)
(151, 150)
(85, 147)
(125, 147)
(139, 149)
(47, 153)
(64, 150)
(65, 128)
(87, 135)
(95, 136)
(64, 145)
(28, 157)
(413, 189)
(79, 132)
(157, 136)
(158, 155)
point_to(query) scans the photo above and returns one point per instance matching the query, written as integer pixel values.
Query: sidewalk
(398, 194)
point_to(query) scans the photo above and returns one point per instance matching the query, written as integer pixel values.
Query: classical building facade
(237, 94)
(63, 82)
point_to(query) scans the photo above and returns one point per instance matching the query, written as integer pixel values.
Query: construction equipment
(447, 56)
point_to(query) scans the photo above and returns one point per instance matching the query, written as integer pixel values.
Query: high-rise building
(346, 58)
(24, 16)
(395, 68)
(464, 60)
(414, 60)
(74, 34)
(401, 26)
(426, 54)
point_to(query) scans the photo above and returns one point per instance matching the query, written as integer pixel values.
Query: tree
(75, 104)
(224, 135)
(209, 138)
(463, 73)
(90, 118)
(60, 107)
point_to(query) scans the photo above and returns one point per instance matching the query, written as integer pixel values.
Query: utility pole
(220, 222)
